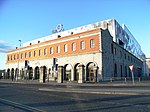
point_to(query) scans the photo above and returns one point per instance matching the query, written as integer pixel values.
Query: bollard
(125, 79)
(139, 79)
(110, 79)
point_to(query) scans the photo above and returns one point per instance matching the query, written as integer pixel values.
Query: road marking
(20, 106)
(89, 92)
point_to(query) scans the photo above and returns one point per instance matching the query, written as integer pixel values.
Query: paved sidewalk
(75, 84)
(116, 87)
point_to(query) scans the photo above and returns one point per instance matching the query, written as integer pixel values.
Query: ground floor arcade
(89, 73)
(79, 72)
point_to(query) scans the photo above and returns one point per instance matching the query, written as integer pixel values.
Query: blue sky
(31, 19)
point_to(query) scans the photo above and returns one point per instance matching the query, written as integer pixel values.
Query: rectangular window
(21, 55)
(73, 46)
(92, 43)
(51, 50)
(115, 52)
(40, 52)
(34, 53)
(26, 55)
(30, 54)
(58, 49)
(112, 49)
(45, 51)
(8, 58)
(11, 57)
(82, 45)
(65, 48)
(14, 57)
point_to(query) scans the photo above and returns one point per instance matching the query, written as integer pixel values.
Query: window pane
(40, 52)
(73, 46)
(25, 55)
(8, 58)
(30, 54)
(34, 53)
(51, 50)
(21, 56)
(14, 57)
(65, 48)
(92, 43)
(58, 49)
(82, 45)
(45, 51)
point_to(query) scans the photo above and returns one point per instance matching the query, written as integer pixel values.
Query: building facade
(148, 66)
(91, 53)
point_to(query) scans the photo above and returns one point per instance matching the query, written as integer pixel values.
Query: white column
(60, 74)
(41, 74)
(81, 74)
(72, 74)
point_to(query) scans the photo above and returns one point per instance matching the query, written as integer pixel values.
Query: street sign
(131, 67)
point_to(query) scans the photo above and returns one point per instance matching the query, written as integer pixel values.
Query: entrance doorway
(30, 73)
(44, 73)
(36, 73)
(91, 72)
(67, 72)
(76, 72)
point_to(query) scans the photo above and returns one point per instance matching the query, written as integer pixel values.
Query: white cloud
(4, 46)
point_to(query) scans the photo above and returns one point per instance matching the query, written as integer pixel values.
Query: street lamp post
(18, 59)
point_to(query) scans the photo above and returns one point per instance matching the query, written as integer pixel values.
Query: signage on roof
(59, 28)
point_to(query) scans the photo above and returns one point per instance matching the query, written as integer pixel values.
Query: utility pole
(18, 60)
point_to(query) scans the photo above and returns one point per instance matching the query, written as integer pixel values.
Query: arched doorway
(22, 73)
(44, 73)
(36, 73)
(8, 74)
(76, 72)
(91, 72)
(30, 73)
(16, 73)
(12, 74)
(67, 72)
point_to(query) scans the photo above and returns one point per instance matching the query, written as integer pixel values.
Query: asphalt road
(16, 97)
